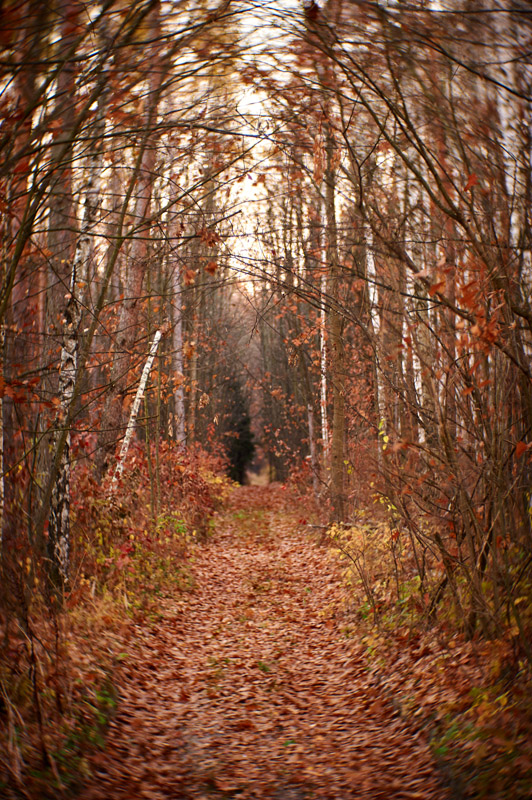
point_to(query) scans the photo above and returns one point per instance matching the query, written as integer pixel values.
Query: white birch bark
(374, 326)
(135, 410)
(178, 365)
(323, 369)
(512, 145)
(137, 257)
(312, 445)
(58, 544)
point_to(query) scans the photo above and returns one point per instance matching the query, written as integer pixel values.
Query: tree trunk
(58, 543)
(135, 410)
(61, 321)
(177, 358)
(128, 323)
(336, 344)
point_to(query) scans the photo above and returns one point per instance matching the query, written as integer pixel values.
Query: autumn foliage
(57, 670)
(279, 244)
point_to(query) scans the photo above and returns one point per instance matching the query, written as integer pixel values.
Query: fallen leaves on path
(247, 688)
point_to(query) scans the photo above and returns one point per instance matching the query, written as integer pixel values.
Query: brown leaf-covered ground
(247, 686)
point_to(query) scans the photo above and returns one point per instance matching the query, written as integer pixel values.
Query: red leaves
(209, 237)
(125, 551)
(469, 294)
(435, 288)
(24, 391)
(471, 181)
(521, 448)
(486, 330)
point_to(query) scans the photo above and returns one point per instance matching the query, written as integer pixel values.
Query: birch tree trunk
(323, 375)
(128, 323)
(61, 322)
(320, 34)
(61, 238)
(177, 359)
(58, 543)
(336, 344)
(135, 410)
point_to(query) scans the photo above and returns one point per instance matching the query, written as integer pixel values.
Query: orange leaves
(435, 288)
(244, 725)
(471, 181)
(486, 330)
(189, 349)
(25, 391)
(469, 294)
(521, 448)
(480, 385)
(209, 237)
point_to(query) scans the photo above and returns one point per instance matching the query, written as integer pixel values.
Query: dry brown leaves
(470, 698)
(247, 688)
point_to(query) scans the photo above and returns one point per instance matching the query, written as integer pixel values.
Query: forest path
(247, 687)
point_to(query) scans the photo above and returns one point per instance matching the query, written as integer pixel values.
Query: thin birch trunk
(323, 370)
(135, 411)
(312, 445)
(336, 343)
(62, 320)
(374, 328)
(58, 543)
(193, 381)
(177, 358)
(128, 324)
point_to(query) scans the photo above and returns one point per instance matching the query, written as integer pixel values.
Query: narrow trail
(248, 688)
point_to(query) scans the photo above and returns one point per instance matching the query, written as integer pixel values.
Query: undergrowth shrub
(400, 563)
(382, 569)
(124, 541)
(471, 694)
(130, 545)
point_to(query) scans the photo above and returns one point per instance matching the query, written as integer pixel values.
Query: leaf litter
(247, 688)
